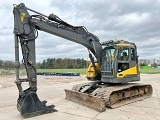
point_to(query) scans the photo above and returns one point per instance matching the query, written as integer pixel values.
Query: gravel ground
(51, 88)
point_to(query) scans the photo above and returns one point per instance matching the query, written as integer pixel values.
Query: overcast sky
(137, 21)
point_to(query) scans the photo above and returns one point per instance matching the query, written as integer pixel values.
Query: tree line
(60, 63)
(5, 64)
(50, 63)
(145, 62)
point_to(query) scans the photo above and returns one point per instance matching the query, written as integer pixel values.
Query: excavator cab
(119, 62)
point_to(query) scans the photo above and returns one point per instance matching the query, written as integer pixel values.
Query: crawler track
(108, 95)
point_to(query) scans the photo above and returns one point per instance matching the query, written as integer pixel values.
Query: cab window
(133, 57)
(123, 54)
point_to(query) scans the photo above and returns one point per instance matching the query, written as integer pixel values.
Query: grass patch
(150, 70)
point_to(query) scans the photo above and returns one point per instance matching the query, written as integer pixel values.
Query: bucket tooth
(29, 105)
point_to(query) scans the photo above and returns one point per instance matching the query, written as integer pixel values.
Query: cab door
(126, 62)
(123, 59)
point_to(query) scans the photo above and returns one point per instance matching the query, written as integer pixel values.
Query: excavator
(112, 74)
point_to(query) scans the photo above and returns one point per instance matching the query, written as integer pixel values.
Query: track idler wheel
(29, 105)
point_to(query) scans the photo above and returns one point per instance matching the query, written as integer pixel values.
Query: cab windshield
(108, 58)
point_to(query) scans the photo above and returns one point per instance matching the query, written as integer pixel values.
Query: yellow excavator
(114, 64)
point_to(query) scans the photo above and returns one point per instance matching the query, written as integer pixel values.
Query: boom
(26, 24)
